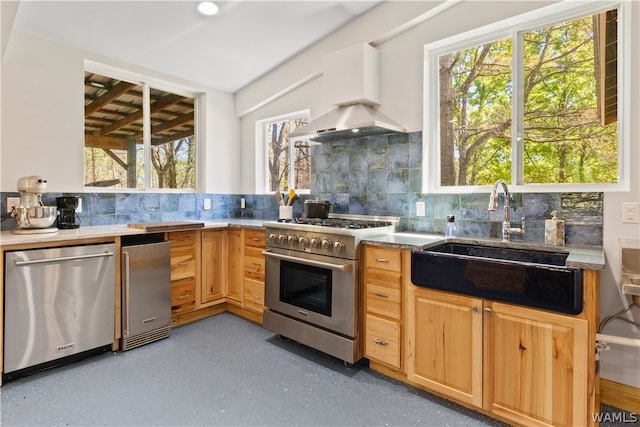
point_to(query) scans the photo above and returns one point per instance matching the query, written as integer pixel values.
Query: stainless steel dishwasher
(146, 289)
(58, 306)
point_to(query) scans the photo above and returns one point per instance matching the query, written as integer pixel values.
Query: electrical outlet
(420, 209)
(630, 213)
(207, 204)
(11, 202)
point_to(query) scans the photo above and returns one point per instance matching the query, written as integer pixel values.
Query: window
(535, 104)
(288, 162)
(138, 136)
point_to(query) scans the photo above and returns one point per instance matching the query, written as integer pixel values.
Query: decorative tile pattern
(377, 175)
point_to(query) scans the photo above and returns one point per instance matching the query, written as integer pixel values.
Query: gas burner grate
(337, 223)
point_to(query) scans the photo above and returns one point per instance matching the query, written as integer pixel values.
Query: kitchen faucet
(507, 230)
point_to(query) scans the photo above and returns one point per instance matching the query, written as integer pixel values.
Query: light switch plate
(420, 209)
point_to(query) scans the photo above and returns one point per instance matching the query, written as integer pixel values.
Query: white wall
(400, 41)
(43, 118)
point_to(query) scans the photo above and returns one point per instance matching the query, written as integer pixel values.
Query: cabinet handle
(255, 239)
(183, 263)
(382, 260)
(380, 342)
(256, 264)
(378, 294)
(183, 296)
(488, 311)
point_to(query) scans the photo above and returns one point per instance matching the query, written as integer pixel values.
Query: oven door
(317, 289)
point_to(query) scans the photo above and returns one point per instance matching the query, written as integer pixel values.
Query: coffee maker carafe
(67, 212)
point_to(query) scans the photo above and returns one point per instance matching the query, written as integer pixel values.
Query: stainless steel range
(311, 280)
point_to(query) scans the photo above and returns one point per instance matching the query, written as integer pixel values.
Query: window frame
(262, 154)
(148, 82)
(509, 28)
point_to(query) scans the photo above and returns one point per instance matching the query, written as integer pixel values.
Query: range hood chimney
(351, 81)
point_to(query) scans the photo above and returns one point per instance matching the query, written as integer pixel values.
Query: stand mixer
(31, 215)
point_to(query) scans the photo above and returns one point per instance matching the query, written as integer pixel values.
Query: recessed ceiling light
(207, 8)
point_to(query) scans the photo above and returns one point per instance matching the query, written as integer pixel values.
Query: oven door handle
(342, 267)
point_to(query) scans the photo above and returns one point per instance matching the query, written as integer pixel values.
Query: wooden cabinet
(383, 277)
(445, 338)
(212, 263)
(234, 290)
(535, 366)
(253, 278)
(183, 270)
(523, 365)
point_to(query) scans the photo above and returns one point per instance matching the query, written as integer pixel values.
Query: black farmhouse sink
(533, 278)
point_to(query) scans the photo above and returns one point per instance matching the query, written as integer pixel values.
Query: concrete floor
(226, 371)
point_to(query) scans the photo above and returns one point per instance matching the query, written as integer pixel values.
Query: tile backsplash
(377, 175)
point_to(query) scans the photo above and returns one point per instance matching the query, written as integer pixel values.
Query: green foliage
(563, 140)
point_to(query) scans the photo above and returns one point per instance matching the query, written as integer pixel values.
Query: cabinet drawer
(254, 264)
(182, 238)
(383, 341)
(254, 294)
(384, 259)
(183, 262)
(383, 301)
(254, 238)
(183, 296)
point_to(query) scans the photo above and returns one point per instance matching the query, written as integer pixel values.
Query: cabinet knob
(475, 309)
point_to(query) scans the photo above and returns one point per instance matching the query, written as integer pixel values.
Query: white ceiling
(243, 41)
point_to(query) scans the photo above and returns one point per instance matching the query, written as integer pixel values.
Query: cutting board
(166, 225)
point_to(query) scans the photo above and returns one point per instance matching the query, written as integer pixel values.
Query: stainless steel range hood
(351, 78)
(347, 121)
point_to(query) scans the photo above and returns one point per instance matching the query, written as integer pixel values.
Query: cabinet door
(253, 263)
(211, 267)
(183, 296)
(536, 366)
(254, 295)
(445, 344)
(383, 340)
(183, 255)
(234, 290)
(254, 238)
(383, 293)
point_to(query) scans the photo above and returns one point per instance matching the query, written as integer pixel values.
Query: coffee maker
(67, 212)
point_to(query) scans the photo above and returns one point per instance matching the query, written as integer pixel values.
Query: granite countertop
(8, 238)
(584, 257)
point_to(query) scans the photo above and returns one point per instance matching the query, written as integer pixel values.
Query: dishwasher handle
(62, 259)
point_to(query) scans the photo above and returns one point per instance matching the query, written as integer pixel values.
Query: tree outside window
(288, 161)
(558, 81)
(115, 138)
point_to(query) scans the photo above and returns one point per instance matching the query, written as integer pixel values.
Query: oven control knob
(303, 242)
(315, 242)
(282, 239)
(293, 240)
(273, 237)
(338, 246)
(326, 244)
